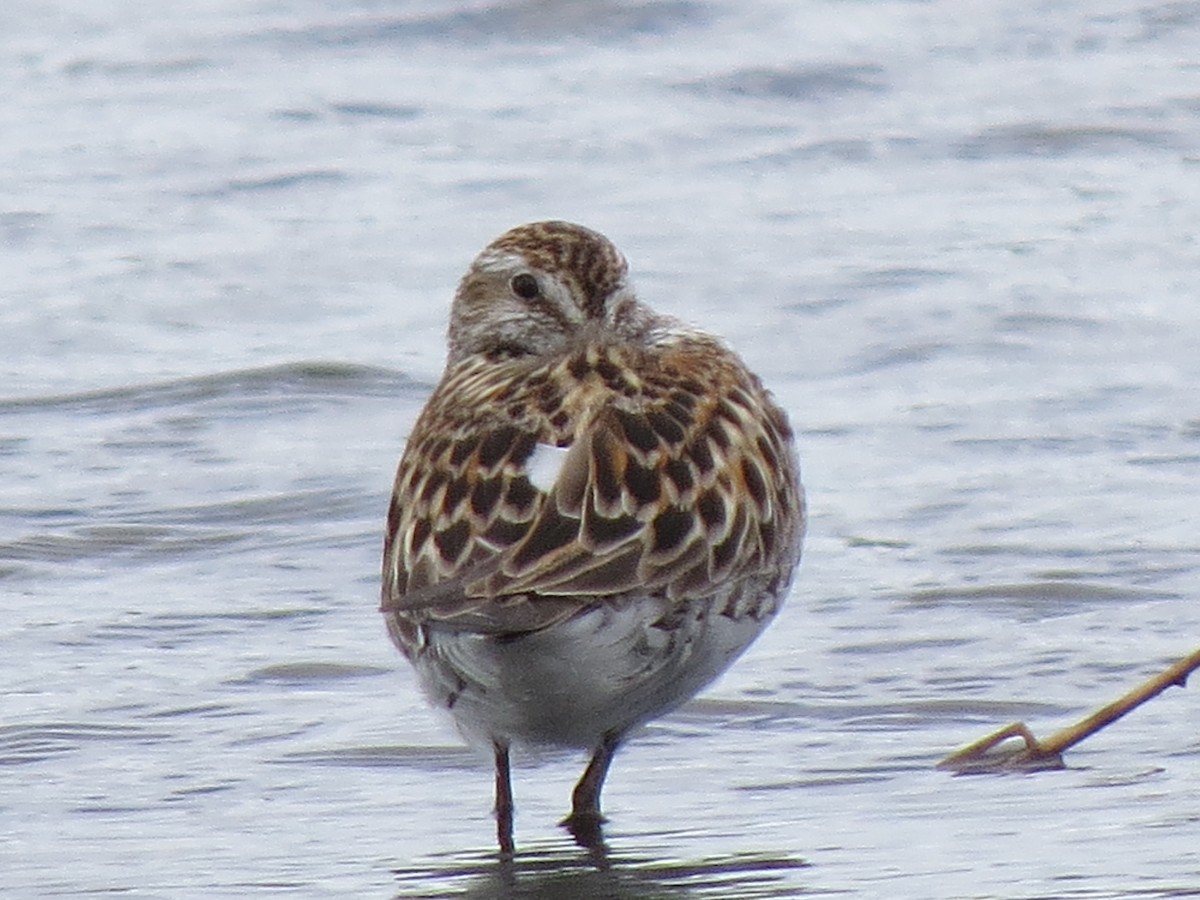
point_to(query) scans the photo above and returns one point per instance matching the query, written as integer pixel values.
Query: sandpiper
(597, 511)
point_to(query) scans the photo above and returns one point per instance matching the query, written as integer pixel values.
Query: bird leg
(585, 819)
(504, 801)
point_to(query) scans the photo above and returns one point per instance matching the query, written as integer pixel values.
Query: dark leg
(585, 819)
(504, 801)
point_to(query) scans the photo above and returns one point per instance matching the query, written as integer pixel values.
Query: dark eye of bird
(525, 286)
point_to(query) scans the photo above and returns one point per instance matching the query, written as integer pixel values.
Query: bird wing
(671, 499)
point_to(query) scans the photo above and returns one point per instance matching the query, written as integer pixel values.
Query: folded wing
(675, 499)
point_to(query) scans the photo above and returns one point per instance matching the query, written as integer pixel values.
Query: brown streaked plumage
(598, 509)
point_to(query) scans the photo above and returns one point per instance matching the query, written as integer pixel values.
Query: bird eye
(525, 286)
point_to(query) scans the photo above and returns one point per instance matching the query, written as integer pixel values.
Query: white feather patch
(545, 465)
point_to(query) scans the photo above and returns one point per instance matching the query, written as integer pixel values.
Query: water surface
(958, 241)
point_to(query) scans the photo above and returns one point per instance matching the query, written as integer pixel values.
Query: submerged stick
(1047, 754)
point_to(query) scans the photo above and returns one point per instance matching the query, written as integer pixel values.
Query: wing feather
(676, 492)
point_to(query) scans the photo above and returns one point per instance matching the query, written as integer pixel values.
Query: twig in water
(1047, 754)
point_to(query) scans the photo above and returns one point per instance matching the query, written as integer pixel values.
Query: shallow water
(959, 242)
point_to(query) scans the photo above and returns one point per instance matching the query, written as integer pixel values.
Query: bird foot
(586, 828)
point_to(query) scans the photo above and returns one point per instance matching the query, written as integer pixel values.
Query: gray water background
(958, 240)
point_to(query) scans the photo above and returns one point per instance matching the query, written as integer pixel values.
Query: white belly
(605, 670)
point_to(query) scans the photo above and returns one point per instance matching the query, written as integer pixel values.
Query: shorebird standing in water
(597, 511)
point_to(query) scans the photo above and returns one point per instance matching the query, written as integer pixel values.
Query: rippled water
(958, 240)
